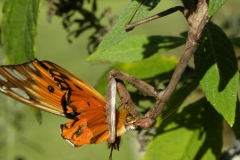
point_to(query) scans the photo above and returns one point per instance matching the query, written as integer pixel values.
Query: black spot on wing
(43, 65)
(78, 87)
(66, 104)
(95, 97)
(60, 79)
(50, 89)
(79, 131)
(62, 84)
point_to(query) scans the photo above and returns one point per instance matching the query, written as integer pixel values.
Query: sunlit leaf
(148, 68)
(236, 125)
(216, 67)
(118, 32)
(214, 6)
(19, 29)
(136, 48)
(194, 133)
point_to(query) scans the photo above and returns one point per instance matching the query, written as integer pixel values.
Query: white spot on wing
(20, 92)
(3, 78)
(31, 66)
(15, 73)
(70, 142)
(67, 139)
(20, 74)
(3, 89)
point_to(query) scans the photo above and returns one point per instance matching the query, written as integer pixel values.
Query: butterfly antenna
(173, 110)
(110, 156)
(169, 113)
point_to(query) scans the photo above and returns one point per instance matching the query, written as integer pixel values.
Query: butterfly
(49, 87)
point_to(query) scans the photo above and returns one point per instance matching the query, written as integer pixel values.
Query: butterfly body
(47, 86)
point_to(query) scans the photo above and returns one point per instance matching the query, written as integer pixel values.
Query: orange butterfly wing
(47, 86)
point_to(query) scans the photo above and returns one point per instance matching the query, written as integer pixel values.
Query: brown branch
(197, 20)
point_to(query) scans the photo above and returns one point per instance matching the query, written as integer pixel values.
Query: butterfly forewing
(41, 84)
(29, 85)
(71, 80)
(47, 86)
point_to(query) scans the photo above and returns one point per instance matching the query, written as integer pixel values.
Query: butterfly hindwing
(84, 104)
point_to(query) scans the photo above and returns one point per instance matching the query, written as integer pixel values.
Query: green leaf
(214, 6)
(216, 67)
(177, 98)
(19, 29)
(195, 133)
(150, 67)
(136, 48)
(236, 125)
(118, 32)
(38, 114)
(236, 41)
